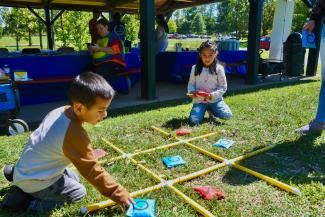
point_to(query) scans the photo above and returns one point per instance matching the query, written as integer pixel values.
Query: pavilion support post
(48, 28)
(314, 53)
(148, 49)
(254, 34)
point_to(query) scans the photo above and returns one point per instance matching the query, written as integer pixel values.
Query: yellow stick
(233, 163)
(157, 148)
(197, 173)
(194, 204)
(107, 203)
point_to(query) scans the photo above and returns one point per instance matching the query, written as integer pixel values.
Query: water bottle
(7, 70)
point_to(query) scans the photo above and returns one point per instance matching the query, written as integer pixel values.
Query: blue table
(176, 66)
(54, 66)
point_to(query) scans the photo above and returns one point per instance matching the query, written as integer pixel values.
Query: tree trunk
(52, 27)
(29, 37)
(17, 42)
(40, 34)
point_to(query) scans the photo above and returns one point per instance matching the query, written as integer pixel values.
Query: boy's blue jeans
(66, 189)
(219, 109)
(320, 116)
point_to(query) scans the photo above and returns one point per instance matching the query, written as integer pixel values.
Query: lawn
(261, 117)
(10, 43)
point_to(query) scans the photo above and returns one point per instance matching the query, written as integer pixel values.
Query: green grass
(10, 43)
(191, 44)
(261, 117)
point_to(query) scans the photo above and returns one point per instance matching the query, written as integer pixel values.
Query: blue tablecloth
(54, 66)
(176, 66)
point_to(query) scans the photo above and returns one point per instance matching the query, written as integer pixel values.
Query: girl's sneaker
(314, 127)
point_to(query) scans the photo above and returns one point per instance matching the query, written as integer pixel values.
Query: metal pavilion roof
(127, 6)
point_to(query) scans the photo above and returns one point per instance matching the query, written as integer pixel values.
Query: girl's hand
(192, 94)
(309, 26)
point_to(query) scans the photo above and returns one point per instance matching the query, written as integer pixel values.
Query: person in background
(317, 125)
(207, 84)
(108, 52)
(161, 33)
(92, 26)
(117, 26)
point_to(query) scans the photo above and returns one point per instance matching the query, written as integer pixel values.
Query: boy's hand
(127, 203)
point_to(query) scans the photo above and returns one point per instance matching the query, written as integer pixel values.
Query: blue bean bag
(142, 208)
(173, 161)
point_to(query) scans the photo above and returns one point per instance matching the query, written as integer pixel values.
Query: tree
(268, 16)
(28, 22)
(11, 19)
(72, 29)
(62, 31)
(198, 25)
(172, 26)
(300, 16)
(132, 26)
(233, 17)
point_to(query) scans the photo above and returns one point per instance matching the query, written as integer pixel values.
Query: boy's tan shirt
(77, 148)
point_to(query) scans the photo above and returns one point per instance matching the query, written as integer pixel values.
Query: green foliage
(172, 26)
(72, 29)
(226, 17)
(268, 15)
(233, 17)
(198, 25)
(132, 26)
(300, 16)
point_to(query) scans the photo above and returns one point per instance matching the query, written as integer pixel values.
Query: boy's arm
(221, 85)
(77, 148)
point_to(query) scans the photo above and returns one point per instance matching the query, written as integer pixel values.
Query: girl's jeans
(320, 116)
(219, 109)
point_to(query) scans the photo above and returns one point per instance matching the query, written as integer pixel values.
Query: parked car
(192, 36)
(170, 36)
(265, 42)
(205, 37)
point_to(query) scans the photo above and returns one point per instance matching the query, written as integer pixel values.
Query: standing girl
(207, 85)
(161, 33)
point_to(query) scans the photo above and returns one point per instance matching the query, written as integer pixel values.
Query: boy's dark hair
(206, 45)
(87, 86)
(102, 21)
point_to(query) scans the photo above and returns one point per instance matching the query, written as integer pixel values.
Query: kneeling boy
(41, 170)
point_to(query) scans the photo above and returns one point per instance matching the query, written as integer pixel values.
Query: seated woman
(108, 52)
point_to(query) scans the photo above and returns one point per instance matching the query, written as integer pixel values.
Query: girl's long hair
(162, 22)
(212, 68)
